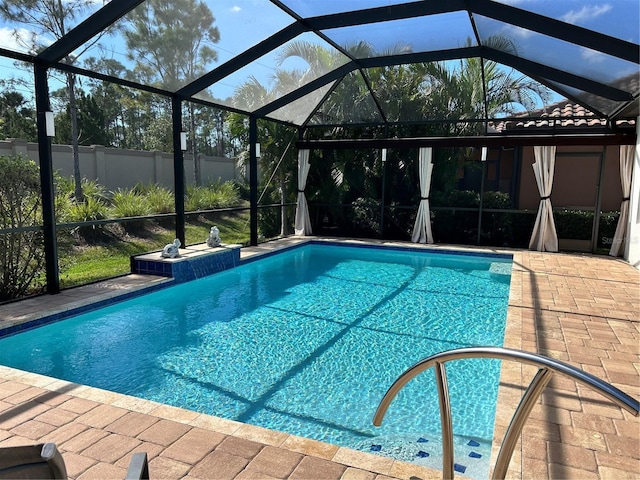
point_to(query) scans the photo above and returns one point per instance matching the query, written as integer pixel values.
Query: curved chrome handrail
(521, 414)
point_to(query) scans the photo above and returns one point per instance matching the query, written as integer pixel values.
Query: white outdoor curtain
(303, 222)
(544, 237)
(626, 167)
(422, 227)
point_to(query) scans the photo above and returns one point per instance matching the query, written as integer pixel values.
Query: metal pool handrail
(548, 366)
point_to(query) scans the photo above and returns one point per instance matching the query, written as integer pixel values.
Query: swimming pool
(306, 341)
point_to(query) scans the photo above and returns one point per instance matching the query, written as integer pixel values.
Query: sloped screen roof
(324, 62)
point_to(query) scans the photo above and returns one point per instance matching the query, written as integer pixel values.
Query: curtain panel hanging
(303, 221)
(622, 229)
(422, 227)
(544, 237)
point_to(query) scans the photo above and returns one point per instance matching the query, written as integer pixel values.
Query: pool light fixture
(384, 155)
(483, 155)
(257, 150)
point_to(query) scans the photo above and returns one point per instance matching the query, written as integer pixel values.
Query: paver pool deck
(581, 309)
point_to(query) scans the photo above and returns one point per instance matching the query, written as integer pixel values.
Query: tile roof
(564, 114)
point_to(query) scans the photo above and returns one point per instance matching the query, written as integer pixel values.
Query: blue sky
(243, 23)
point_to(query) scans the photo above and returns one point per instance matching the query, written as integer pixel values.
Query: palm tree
(474, 88)
(451, 91)
(277, 159)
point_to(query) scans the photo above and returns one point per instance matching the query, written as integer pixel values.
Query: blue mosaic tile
(422, 440)
(459, 468)
(191, 268)
(422, 454)
(376, 448)
(475, 455)
(473, 443)
(38, 322)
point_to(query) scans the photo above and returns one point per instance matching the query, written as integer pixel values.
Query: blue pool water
(306, 341)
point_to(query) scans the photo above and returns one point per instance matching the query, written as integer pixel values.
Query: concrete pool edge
(388, 467)
(342, 455)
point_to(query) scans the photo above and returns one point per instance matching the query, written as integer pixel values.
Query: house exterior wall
(119, 168)
(575, 181)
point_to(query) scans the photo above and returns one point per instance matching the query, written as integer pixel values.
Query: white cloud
(235, 9)
(9, 39)
(514, 31)
(586, 13)
(592, 56)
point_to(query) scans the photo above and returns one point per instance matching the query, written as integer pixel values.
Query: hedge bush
(22, 263)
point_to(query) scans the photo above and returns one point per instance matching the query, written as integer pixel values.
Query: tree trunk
(75, 147)
(197, 178)
(219, 136)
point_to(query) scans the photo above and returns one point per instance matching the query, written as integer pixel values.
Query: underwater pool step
(472, 455)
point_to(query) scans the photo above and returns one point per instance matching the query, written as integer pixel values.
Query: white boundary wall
(632, 252)
(116, 168)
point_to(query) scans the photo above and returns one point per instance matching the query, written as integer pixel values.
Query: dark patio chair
(44, 461)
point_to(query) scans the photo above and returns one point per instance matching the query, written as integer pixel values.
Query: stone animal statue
(170, 250)
(214, 237)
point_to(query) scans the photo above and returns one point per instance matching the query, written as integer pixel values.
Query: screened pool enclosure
(408, 120)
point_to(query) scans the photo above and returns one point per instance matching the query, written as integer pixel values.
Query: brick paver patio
(581, 309)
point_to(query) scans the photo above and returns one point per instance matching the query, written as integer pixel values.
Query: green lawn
(80, 265)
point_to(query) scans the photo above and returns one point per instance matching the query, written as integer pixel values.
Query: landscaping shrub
(493, 199)
(228, 194)
(70, 210)
(607, 229)
(129, 203)
(63, 205)
(366, 217)
(196, 199)
(159, 198)
(399, 222)
(268, 223)
(87, 211)
(218, 195)
(22, 264)
(522, 228)
(496, 226)
(455, 226)
(455, 198)
(90, 188)
(573, 224)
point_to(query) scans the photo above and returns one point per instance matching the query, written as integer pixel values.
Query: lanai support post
(46, 181)
(253, 181)
(178, 169)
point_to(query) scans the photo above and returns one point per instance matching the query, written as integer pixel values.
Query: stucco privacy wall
(118, 168)
(632, 251)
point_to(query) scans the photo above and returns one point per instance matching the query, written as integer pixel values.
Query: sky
(243, 23)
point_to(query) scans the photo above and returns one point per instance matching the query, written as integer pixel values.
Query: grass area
(233, 228)
(110, 256)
